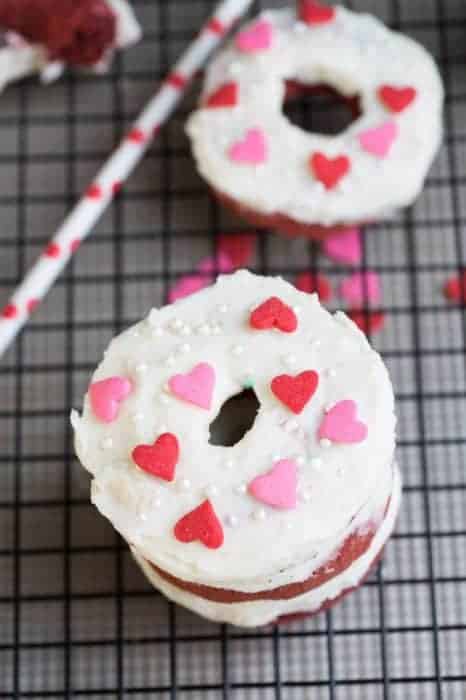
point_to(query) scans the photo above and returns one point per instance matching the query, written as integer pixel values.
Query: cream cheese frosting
(339, 485)
(388, 150)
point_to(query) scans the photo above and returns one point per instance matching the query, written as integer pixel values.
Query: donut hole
(235, 418)
(320, 109)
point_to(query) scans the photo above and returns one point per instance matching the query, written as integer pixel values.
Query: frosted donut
(294, 514)
(31, 36)
(278, 175)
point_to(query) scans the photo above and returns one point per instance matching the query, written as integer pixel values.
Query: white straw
(81, 220)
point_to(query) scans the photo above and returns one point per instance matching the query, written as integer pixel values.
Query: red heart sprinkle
(32, 305)
(295, 392)
(94, 192)
(225, 96)
(314, 283)
(329, 171)
(52, 250)
(136, 136)
(273, 313)
(396, 98)
(312, 12)
(216, 27)
(159, 459)
(200, 524)
(368, 321)
(238, 247)
(454, 289)
(10, 311)
(177, 80)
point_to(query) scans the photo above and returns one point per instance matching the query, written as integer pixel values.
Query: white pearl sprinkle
(164, 399)
(230, 463)
(237, 350)
(325, 442)
(158, 331)
(316, 463)
(137, 416)
(259, 514)
(211, 490)
(185, 484)
(216, 329)
(223, 308)
(289, 360)
(297, 309)
(185, 348)
(176, 324)
(300, 461)
(241, 488)
(291, 425)
(162, 428)
(306, 495)
(135, 334)
(289, 525)
(231, 520)
(331, 373)
(156, 502)
(141, 368)
(143, 517)
(152, 317)
(204, 329)
(276, 457)
(170, 361)
(107, 443)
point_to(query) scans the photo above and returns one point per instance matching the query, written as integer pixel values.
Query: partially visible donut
(276, 174)
(42, 36)
(292, 515)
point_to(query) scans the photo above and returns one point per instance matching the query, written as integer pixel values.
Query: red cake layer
(76, 31)
(354, 546)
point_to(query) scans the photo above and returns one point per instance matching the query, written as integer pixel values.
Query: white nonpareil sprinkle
(211, 490)
(141, 368)
(241, 488)
(237, 350)
(331, 373)
(230, 463)
(176, 324)
(186, 329)
(153, 317)
(306, 495)
(231, 520)
(291, 425)
(185, 348)
(170, 361)
(106, 443)
(185, 484)
(325, 442)
(223, 308)
(316, 463)
(137, 416)
(259, 514)
(300, 461)
(204, 329)
(289, 360)
(162, 428)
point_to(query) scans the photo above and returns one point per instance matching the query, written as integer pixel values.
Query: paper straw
(108, 181)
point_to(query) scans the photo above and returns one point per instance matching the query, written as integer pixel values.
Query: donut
(42, 36)
(281, 520)
(274, 174)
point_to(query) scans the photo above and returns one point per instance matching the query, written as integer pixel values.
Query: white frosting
(263, 612)
(337, 483)
(355, 54)
(21, 59)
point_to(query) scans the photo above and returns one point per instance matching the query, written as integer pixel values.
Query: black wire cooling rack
(76, 617)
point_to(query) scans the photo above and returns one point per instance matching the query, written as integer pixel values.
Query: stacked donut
(275, 174)
(293, 515)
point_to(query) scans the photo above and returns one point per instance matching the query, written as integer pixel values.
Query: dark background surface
(76, 616)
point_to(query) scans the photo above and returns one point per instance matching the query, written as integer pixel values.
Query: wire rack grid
(77, 619)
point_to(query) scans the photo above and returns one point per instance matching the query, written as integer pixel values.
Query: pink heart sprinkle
(360, 288)
(344, 247)
(189, 284)
(257, 37)
(341, 425)
(196, 386)
(278, 486)
(252, 149)
(186, 286)
(379, 140)
(106, 396)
